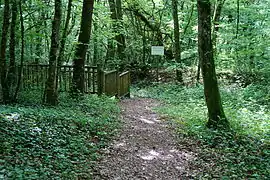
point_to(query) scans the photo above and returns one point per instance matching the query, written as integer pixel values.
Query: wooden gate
(124, 84)
(114, 84)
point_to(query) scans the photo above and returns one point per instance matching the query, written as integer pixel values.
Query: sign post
(159, 51)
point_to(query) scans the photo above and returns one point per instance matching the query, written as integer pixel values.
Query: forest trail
(145, 149)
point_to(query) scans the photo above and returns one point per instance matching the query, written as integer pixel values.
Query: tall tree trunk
(189, 19)
(177, 48)
(60, 58)
(11, 77)
(3, 47)
(38, 50)
(51, 96)
(216, 19)
(22, 52)
(95, 41)
(217, 14)
(64, 34)
(111, 49)
(120, 38)
(117, 17)
(38, 38)
(216, 114)
(80, 54)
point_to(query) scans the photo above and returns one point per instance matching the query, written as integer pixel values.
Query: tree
(51, 96)
(177, 47)
(117, 18)
(22, 52)
(120, 38)
(64, 34)
(80, 54)
(3, 47)
(111, 48)
(11, 76)
(216, 115)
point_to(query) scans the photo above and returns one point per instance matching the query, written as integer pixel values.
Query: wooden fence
(35, 76)
(96, 81)
(115, 84)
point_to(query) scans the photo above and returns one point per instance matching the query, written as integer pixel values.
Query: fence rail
(35, 76)
(96, 80)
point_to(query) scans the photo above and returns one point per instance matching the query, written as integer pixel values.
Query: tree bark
(216, 18)
(120, 38)
(22, 52)
(51, 96)
(216, 115)
(3, 47)
(80, 54)
(64, 34)
(11, 77)
(60, 58)
(110, 55)
(177, 46)
(95, 41)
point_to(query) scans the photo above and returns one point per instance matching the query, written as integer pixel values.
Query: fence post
(99, 80)
(117, 84)
(129, 83)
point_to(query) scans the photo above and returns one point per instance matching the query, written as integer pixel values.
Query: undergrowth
(62, 142)
(239, 153)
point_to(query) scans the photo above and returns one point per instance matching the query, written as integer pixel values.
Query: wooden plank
(35, 76)
(70, 78)
(94, 80)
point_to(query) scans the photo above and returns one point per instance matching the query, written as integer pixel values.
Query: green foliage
(39, 142)
(243, 152)
(247, 51)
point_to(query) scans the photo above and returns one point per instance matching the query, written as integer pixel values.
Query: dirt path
(145, 149)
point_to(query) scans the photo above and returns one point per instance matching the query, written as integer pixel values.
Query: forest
(134, 89)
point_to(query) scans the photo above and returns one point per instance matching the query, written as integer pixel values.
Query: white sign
(157, 50)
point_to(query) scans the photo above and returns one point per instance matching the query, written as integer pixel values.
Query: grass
(63, 142)
(241, 153)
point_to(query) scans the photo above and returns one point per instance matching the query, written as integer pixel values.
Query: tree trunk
(3, 47)
(111, 46)
(60, 58)
(39, 39)
(177, 48)
(120, 38)
(51, 96)
(217, 14)
(80, 54)
(216, 17)
(117, 17)
(64, 34)
(22, 52)
(216, 114)
(96, 48)
(11, 77)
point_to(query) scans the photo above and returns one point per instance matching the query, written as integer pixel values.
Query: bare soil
(146, 147)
